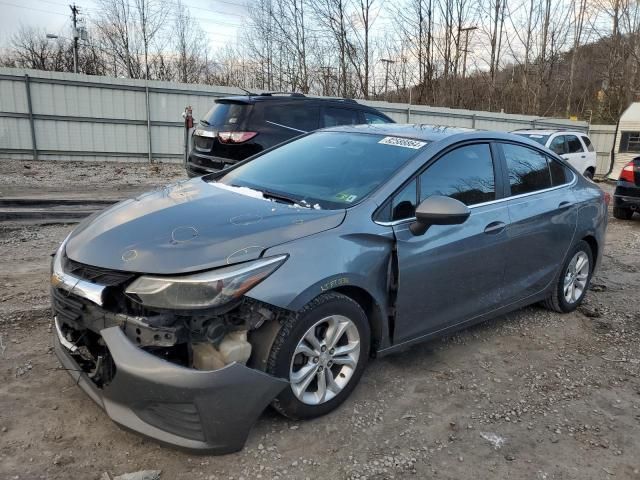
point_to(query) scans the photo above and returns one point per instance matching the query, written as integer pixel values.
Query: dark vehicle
(186, 311)
(239, 127)
(626, 198)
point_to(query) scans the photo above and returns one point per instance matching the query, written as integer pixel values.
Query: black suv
(238, 127)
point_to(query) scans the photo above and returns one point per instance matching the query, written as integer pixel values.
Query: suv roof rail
(292, 94)
(555, 129)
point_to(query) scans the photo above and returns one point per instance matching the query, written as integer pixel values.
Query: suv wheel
(622, 213)
(322, 350)
(573, 281)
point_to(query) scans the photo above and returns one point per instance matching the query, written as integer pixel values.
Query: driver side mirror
(438, 210)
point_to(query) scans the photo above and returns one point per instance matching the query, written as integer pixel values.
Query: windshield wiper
(284, 198)
(204, 122)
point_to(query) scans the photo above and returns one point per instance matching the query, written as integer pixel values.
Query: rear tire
(622, 213)
(327, 367)
(573, 281)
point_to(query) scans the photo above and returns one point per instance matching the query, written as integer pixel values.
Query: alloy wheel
(324, 360)
(575, 280)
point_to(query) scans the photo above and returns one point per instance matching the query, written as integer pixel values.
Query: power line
(33, 8)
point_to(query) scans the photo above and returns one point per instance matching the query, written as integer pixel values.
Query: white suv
(574, 147)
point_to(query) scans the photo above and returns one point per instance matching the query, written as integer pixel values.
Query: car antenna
(245, 90)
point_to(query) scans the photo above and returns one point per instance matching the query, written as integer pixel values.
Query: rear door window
(558, 145)
(333, 116)
(573, 144)
(528, 169)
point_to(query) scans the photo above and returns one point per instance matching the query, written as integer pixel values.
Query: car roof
(430, 133)
(547, 132)
(290, 97)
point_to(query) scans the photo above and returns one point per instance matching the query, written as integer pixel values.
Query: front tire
(322, 350)
(573, 280)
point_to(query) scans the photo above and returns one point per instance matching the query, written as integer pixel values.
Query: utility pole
(466, 48)
(74, 15)
(386, 61)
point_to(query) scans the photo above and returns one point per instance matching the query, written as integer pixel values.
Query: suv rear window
(226, 113)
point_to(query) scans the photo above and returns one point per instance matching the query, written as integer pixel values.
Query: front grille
(101, 276)
(67, 307)
(92, 356)
(203, 144)
(180, 419)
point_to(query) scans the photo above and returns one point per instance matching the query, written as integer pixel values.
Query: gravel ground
(62, 179)
(530, 395)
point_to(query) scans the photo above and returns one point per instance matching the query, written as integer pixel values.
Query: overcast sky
(220, 19)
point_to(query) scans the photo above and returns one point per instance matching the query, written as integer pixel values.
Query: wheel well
(370, 307)
(593, 244)
(593, 169)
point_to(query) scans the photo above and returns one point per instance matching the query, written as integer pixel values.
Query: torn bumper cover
(200, 411)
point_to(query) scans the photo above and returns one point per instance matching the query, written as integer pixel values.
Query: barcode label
(402, 142)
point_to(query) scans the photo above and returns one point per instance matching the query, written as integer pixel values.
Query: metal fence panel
(14, 134)
(83, 117)
(13, 96)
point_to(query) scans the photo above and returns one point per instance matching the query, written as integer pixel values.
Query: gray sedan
(186, 311)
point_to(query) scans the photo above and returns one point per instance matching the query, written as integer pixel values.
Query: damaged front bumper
(200, 411)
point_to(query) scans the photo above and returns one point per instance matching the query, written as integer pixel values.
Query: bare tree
(191, 51)
(151, 16)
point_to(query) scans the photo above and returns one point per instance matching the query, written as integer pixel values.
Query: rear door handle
(494, 227)
(583, 156)
(563, 204)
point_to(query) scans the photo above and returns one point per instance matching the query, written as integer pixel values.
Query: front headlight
(202, 290)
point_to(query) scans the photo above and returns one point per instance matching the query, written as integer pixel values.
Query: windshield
(536, 137)
(328, 170)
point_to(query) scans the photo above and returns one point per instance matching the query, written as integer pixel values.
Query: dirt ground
(530, 395)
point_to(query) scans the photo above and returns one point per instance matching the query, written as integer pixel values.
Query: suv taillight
(627, 172)
(235, 137)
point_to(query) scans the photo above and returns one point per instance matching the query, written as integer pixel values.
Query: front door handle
(564, 203)
(494, 227)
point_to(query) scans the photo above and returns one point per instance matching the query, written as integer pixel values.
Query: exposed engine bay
(201, 339)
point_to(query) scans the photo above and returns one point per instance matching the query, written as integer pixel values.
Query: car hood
(190, 226)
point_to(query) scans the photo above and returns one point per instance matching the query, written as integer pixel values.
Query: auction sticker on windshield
(402, 142)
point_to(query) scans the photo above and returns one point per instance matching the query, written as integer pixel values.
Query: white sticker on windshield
(403, 142)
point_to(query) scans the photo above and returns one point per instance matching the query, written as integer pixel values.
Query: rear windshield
(328, 170)
(536, 137)
(225, 114)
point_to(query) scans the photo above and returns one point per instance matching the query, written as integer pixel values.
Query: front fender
(328, 261)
